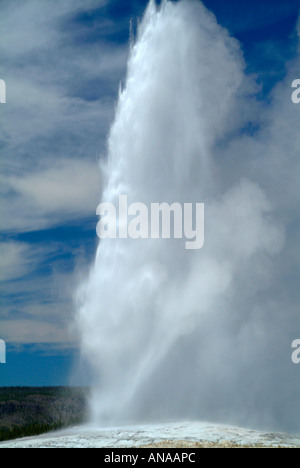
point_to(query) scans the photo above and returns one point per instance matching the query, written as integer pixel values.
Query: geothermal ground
(180, 435)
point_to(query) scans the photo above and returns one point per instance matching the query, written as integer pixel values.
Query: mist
(173, 334)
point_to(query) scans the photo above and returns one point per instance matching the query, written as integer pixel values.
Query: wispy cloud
(60, 102)
(36, 294)
(61, 97)
(14, 260)
(20, 332)
(70, 189)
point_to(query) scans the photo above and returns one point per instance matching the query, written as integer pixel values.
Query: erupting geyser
(169, 332)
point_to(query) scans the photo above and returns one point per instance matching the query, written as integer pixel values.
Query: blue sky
(62, 66)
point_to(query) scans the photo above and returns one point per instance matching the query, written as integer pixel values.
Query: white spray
(164, 327)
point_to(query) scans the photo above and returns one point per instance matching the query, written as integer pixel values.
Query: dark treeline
(31, 411)
(34, 430)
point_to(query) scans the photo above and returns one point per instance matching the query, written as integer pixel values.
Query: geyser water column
(153, 316)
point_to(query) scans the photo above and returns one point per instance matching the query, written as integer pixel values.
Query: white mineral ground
(165, 435)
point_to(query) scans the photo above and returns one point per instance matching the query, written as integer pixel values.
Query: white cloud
(60, 102)
(32, 25)
(36, 308)
(14, 260)
(51, 135)
(37, 332)
(50, 197)
(72, 187)
(66, 191)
